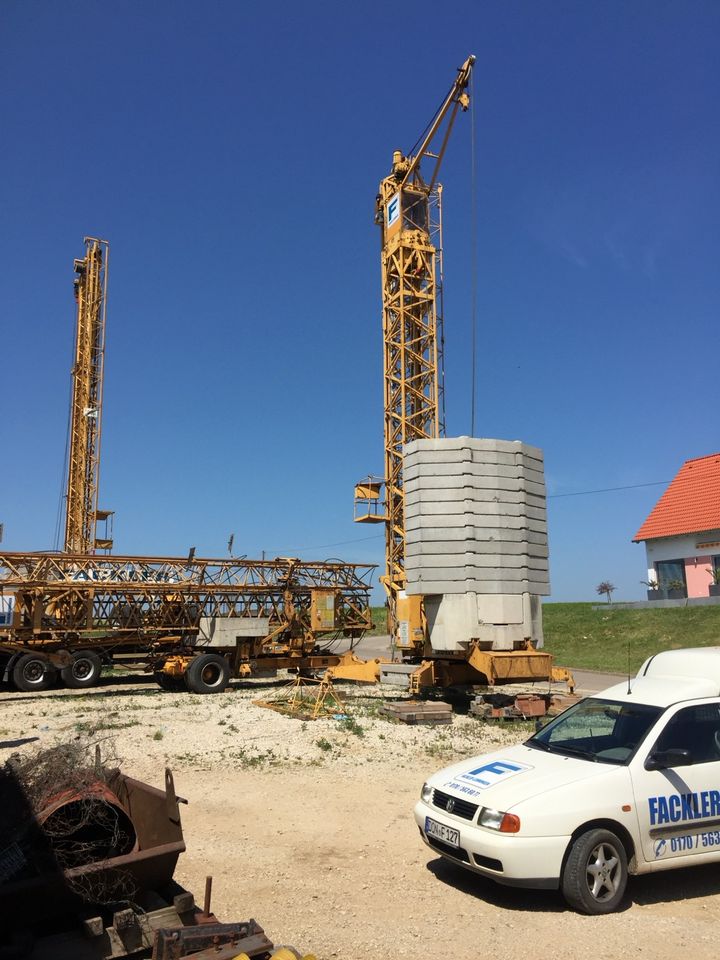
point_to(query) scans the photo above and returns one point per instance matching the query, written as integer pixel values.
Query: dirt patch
(308, 827)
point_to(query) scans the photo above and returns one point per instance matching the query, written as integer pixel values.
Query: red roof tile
(690, 504)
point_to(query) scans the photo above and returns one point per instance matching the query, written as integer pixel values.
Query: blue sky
(230, 152)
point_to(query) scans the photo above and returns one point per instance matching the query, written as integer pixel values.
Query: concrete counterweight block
(497, 621)
(476, 539)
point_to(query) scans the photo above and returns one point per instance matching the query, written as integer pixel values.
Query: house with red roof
(682, 532)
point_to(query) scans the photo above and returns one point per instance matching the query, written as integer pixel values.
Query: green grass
(606, 639)
(619, 640)
(379, 619)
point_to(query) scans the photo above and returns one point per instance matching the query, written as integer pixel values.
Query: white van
(624, 782)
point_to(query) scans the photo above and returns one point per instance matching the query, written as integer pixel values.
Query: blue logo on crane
(393, 210)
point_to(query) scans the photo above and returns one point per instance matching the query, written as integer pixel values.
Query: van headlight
(426, 793)
(497, 820)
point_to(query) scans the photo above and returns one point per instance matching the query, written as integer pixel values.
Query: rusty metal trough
(139, 851)
(86, 871)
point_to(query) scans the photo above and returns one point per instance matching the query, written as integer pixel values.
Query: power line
(552, 496)
(322, 546)
(586, 493)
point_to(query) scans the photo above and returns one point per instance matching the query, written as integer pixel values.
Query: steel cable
(474, 255)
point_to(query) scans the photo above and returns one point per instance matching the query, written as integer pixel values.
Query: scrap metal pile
(87, 856)
(287, 605)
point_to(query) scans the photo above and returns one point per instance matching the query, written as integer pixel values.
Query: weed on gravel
(350, 725)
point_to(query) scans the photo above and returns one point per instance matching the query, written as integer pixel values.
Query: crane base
(490, 668)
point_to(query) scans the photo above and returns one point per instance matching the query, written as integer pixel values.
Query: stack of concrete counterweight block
(476, 540)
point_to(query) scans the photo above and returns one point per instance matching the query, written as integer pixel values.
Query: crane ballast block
(476, 540)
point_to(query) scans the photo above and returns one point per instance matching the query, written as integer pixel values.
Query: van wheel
(208, 673)
(84, 671)
(595, 873)
(33, 672)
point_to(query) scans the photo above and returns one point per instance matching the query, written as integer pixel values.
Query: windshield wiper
(576, 752)
(538, 744)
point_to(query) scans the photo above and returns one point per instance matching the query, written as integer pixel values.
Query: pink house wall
(697, 575)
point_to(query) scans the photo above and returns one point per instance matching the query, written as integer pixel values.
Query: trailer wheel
(208, 673)
(84, 671)
(33, 672)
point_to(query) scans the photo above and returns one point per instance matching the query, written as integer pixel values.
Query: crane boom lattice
(59, 598)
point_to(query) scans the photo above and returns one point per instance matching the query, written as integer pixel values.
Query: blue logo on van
(491, 773)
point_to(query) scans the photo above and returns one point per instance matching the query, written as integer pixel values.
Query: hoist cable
(474, 256)
(420, 139)
(63, 478)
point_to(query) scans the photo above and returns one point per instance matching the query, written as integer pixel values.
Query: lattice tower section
(412, 338)
(87, 390)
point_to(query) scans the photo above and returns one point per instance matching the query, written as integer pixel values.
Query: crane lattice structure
(81, 507)
(61, 598)
(409, 213)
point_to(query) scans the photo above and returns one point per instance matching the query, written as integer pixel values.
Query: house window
(670, 570)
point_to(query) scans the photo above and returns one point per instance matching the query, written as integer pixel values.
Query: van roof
(661, 691)
(697, 662)
(671, 677)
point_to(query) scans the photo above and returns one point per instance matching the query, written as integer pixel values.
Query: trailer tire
(84, 671)
(208, 673)
(33, 672)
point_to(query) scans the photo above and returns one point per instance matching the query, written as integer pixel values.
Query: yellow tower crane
(81, 509)
(409, 214)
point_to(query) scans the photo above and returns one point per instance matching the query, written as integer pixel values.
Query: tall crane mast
(408, 211)
(81, 509)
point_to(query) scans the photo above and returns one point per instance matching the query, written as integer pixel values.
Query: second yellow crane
(81, 508)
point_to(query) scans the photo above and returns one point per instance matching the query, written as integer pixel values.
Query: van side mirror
(664, 759)
(541, 722)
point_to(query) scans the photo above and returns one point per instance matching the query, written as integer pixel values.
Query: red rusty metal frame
(155, 817)
(221, 941)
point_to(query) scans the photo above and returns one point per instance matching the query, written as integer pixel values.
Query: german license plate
(439, 831)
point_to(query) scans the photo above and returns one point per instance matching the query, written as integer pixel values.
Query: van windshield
(603, 731)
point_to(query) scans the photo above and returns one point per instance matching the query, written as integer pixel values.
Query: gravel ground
(307, 826)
